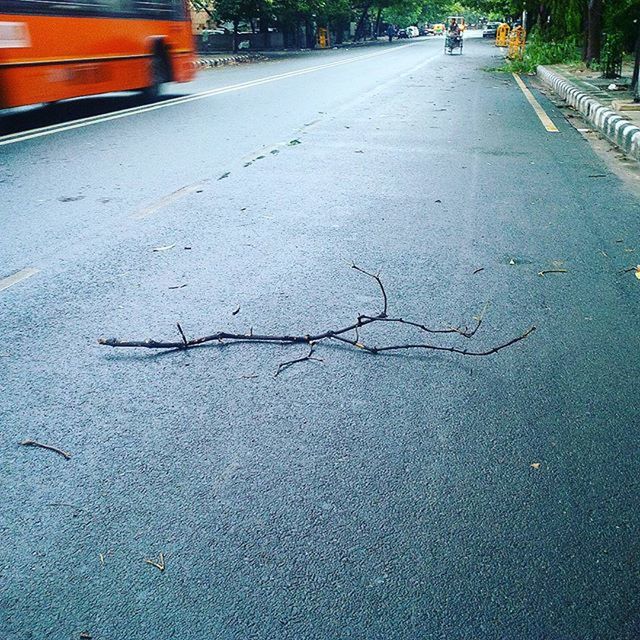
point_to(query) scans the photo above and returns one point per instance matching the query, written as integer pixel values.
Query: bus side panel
(51, 82)
(183, 66)
(68, 57)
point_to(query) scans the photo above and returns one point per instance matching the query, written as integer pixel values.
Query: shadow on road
(44, 115)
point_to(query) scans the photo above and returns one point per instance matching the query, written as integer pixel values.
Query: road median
(213, 61)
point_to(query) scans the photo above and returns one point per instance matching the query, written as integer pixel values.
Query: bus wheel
(157, 75)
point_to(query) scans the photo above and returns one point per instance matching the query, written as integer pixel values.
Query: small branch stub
(184, 338)
(158, 564)
(546, 271)
(285, 365)
(34, 443)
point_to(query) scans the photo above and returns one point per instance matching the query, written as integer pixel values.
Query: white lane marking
(252, 157)
(19, 276)
(168, 199)
(85, 122)
(267, 150)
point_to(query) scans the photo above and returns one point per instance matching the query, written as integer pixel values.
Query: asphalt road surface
(411, 495)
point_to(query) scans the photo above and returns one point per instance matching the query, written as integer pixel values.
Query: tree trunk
(236, 22)
(635, 85)
(264, 30)
(309, 33)
(594, 31)
(359, 29)
(376, 29)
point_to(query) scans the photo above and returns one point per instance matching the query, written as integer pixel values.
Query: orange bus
(56, 49)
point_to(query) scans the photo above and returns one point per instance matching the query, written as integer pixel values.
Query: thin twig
(285, 365)
(158, 565)
(354, 343)
(478, 270)
(376, 277)
(184, 338)
(544, 273)
(464, 352)
(33, 443)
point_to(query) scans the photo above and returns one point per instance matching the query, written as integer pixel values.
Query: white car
(413, 32)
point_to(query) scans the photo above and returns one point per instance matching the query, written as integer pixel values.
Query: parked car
(402, 33)
(490, 30)
(413, 32)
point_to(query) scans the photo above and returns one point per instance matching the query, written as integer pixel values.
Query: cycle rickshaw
(453, 42)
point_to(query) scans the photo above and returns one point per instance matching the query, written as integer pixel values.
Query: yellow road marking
(19, 276)
(115, 115)
(540, 112)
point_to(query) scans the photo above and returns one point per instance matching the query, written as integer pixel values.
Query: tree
(207, 6)
(236, 10)
(594, 31)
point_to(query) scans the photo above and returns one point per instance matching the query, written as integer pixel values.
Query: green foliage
(611, 55)
(623, 17)
(560, 24)
(539, 51)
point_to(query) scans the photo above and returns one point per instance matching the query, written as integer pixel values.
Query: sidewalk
(611, 111)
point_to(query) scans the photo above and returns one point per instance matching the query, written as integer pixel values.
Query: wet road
(417, 495)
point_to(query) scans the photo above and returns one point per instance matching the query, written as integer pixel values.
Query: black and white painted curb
(208, 63)
(610, 123)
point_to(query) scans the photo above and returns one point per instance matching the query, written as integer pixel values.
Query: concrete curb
(610, 123)
(209, 63)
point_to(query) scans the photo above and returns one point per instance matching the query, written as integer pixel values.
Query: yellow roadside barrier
(323, 38)
(502, 35)
(517, 41)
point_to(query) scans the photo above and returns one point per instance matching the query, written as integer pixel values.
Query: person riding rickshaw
(454, 36)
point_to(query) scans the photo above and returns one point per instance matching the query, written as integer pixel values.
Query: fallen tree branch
(33, 443)
(342, 334)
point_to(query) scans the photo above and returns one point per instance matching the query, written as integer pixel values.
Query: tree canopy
(581, 21)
